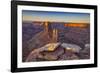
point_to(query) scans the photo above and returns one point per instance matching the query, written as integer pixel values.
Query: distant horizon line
(59, 22)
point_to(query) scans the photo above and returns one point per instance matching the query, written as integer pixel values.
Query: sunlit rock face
(60, 51)
(72, 47)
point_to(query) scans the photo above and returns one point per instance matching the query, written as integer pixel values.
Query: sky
(73, 17)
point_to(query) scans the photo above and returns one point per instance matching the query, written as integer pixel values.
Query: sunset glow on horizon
(72, 17)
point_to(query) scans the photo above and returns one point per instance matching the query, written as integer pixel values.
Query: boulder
(72, 47)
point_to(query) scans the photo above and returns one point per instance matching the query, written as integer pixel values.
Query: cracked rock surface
(59, 53)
